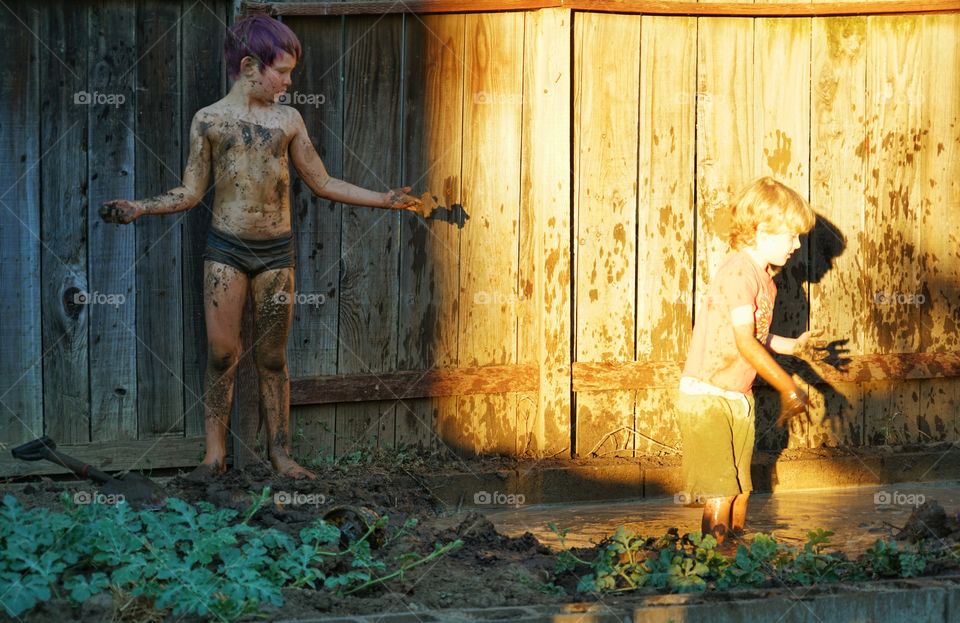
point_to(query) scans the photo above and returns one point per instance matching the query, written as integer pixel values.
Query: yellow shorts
(718, 436)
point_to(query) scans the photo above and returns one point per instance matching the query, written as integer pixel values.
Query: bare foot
(285, 466)
(205, 472)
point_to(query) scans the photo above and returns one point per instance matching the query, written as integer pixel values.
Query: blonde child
(731, 344)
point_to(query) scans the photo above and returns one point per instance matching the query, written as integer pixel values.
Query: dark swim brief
(251, 256)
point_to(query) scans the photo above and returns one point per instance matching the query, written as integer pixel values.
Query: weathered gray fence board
(313, 338)
(368, 284)
(63, 202)
(111, 291)
(430, 250)
(21, 399)
(160, 388)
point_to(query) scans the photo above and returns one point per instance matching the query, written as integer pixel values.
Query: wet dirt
(489, 570)
(507, 557)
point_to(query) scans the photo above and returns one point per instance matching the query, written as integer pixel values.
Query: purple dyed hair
(261, 37)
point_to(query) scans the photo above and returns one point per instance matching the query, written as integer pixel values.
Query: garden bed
(421, 555)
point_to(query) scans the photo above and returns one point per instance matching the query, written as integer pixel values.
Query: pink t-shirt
(713, 356)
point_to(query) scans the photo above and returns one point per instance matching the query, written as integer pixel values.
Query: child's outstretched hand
(810, 346)
(398, 198)
(120, 211)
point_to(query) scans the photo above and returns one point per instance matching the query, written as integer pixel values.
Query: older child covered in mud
(731, 344)
(247, 137)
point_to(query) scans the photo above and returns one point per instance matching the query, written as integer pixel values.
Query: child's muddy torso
(250, 170)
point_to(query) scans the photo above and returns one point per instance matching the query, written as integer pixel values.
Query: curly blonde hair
(768, 204)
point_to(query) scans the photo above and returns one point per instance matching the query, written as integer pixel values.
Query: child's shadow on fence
(792, 311)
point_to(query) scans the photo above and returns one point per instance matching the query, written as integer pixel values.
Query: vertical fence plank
(781, 102)
(668, 53)
(21, 390)
(940, 221)
(202, 34)
(544, 319)
(430, 250)
(63, 72)
(726, 147)
(160, 390)
(491, 195)
(368, 288)
(895, 138)
(838, 293)
(113, 340)
(313, 337)
(606, 203)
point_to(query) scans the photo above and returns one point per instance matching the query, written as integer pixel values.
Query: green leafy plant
(626, 561)
(185, 559)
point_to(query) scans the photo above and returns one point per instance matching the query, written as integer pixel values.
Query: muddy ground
(489, 570)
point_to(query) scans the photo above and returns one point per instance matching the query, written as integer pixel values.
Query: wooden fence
(592, 152)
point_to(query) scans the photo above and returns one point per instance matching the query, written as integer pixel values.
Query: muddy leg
(273, 313)
(738, 513)
(224, 294)
(716, 517)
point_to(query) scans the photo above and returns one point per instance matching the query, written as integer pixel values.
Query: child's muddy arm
(809, 345)
(781, 345)
(761, 359)
(310, 167)
(793, 400)
(195, 176)
(183, 197)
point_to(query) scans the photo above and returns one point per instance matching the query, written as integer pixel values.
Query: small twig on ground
(603, 439)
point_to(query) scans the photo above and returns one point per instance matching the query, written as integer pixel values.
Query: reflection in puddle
(851, 513)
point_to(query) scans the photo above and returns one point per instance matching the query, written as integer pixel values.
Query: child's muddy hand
(120, 211)
(792, 404)
(399, 199)
(810, 346)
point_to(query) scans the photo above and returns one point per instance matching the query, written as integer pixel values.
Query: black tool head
(35, 450)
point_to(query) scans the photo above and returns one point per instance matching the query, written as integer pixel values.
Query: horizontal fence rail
(609, 376)
(693, 9)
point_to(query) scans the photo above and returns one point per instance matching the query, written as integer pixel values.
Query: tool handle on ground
(84, 470)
